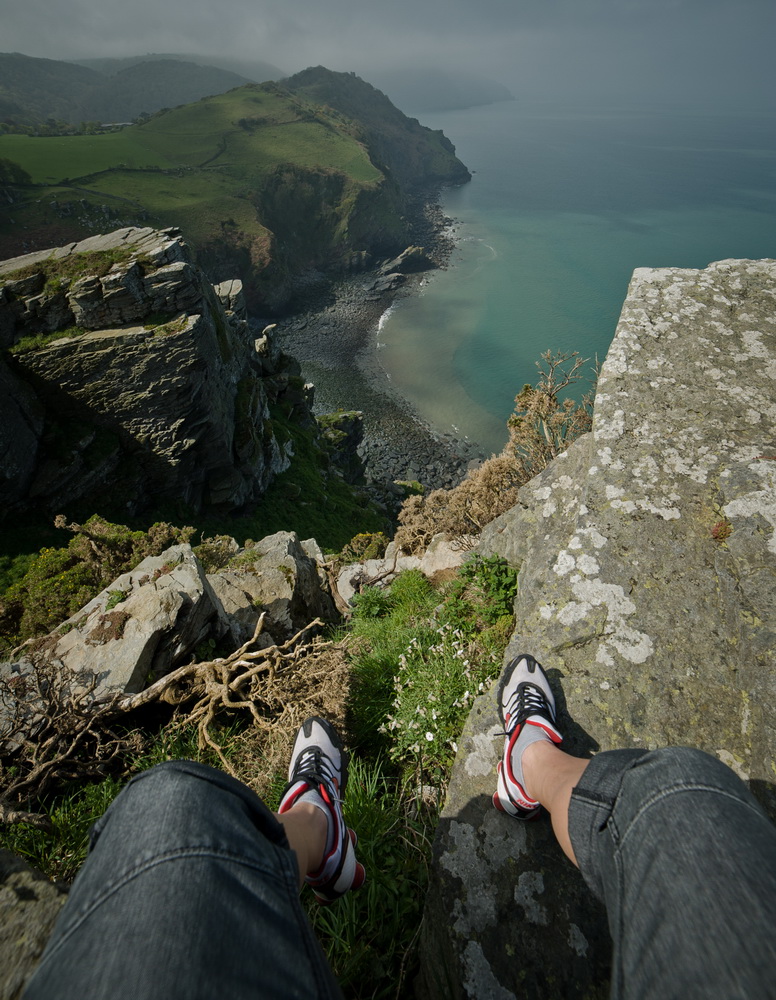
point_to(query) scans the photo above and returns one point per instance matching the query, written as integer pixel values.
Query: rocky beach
(335, 341)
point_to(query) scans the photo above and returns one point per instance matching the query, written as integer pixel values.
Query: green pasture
(197, 201)
(276, 130)
(49, 159)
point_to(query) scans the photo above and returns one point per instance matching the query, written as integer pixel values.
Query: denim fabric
(190, 891)
(685, 860)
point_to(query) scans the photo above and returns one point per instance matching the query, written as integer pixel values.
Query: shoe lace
(316, 767)
(528, 699)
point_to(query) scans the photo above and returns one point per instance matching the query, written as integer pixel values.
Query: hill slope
(34, 90)
(253, 70)
(263, 182)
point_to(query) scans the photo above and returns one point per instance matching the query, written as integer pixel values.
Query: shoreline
(335, 342)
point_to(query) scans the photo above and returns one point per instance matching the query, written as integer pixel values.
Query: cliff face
(129, 374)
(414, 156)
(647, 558)
(266, 182)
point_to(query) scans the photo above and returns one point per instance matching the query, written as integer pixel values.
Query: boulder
(343, 433)
(281, 576)
(647, 559)
(124, 642)
(29, 907)
(387, 283)
(441, 555)
(411, 261)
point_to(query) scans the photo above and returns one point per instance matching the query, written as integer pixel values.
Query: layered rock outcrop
(132, 375)
(647, 558)
(169, 611)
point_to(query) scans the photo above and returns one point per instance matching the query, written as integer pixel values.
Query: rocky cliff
(647, 558)
(276, 185)
(128, 374)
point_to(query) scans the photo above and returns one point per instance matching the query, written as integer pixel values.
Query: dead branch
(59, 731)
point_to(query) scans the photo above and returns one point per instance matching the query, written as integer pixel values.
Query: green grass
(370, 936)
(60, 851)
(197, 136)
(41, 340)
(50, 159)
(308, 498)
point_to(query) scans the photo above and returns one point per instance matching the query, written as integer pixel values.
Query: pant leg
(685, 860)
(189, 891)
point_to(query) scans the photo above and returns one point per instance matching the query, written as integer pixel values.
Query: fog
(697, 52)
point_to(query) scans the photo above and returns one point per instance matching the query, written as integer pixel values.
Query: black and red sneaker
(319, 762)
(527, 706)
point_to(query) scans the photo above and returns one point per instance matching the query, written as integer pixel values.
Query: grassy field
(48, 159)
(262, 166)
(244, 133)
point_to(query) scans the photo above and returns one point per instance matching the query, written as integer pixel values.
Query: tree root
(71, 734)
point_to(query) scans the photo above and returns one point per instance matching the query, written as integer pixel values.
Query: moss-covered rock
(647, 558)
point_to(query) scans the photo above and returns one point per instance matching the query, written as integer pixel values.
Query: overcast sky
(688, 50)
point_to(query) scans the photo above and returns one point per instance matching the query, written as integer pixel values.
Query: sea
(564, 203)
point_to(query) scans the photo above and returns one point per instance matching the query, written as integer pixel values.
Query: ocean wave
(384, 318)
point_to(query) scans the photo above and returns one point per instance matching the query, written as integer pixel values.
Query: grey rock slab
(372, 572)
(279, 577)
(443, 554)
(505, 917)
(169, 608)
(647, 574)
(29, 907)
(664, 632)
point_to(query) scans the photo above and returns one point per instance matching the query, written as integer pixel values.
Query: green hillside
(35, 91)
(263, 181)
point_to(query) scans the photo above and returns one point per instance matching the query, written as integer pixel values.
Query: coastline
(335, 342)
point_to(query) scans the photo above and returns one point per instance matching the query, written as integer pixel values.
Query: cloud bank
(681, 51)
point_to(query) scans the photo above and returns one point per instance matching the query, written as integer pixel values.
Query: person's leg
(672, 842)
(306, 830)
(190, 890)
(317, 778)
(550, 777)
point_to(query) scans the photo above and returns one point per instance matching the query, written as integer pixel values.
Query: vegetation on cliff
(406, 670)
(265, 181)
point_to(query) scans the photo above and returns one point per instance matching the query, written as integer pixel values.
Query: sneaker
(527, 709)
(319, 764)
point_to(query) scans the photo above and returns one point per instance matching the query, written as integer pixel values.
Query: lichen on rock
(656, 627)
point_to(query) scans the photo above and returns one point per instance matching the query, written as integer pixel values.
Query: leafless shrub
(56, 730)
(541, 427)
(53, 731)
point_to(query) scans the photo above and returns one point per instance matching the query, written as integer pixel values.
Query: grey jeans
(190, 889)
(684, 859)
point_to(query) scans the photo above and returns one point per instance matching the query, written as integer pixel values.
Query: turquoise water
(563, 206)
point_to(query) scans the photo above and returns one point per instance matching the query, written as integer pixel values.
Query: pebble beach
(335, 342)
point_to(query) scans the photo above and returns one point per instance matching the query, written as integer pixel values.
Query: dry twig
(59, 731)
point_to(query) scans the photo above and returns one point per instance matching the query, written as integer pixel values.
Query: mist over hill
(34, 90)
(415, 89)
(253, 70)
